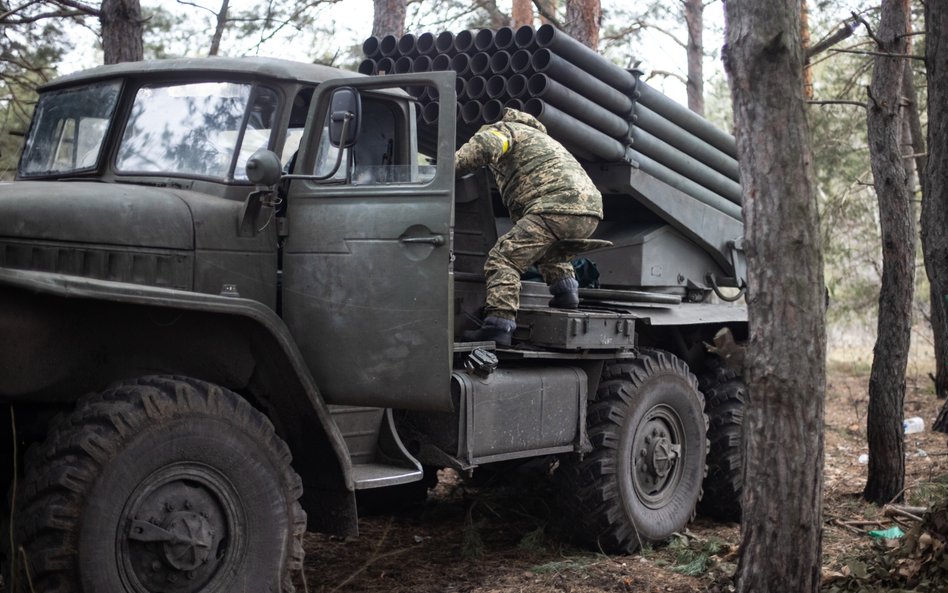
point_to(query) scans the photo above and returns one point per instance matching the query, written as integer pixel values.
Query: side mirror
(345, 117)
(264, 168)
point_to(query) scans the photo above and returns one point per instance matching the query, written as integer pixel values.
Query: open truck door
(367, 266)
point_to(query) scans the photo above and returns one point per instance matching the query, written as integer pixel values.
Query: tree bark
(121, 22)
(807, 44)
(219, 28)
(785, 365)
(547, 10)
(389, 17)
(913, 120)
(583, 19)
(897, 224)
(941, 422)
(521, 13)
(694, 20)
(935, 190)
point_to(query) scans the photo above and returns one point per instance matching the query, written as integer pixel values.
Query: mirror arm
(346, 118)
(250, 213)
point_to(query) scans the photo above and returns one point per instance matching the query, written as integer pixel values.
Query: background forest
(40, 40)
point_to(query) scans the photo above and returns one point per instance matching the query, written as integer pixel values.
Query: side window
(299, 110)
(386, 150)
(257, 134)
(68, 129)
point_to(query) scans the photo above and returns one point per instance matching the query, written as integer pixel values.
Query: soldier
(550, 198)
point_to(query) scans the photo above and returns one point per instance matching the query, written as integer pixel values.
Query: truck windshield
(189, 129)
(68, 128)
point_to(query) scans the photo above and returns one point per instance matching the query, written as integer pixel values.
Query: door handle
(436, 240)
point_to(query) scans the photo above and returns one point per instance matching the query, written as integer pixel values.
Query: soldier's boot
(565, 293)
(494, 329)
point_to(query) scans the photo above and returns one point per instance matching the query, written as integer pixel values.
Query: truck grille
(152, 267)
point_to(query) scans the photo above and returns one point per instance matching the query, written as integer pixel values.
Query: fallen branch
(858, 523)
(845, 525)
(896, 511)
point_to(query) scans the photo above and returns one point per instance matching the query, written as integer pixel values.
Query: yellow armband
(503, 138)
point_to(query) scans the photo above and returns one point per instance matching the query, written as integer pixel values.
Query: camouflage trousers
(527, 243)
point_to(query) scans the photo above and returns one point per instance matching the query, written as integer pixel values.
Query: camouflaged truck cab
(231, 295)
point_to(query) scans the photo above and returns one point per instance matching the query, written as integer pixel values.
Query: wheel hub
(661, 458)
(657, 454)
(178, 535)
(191, 540)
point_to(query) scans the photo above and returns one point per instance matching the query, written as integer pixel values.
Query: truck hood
(97, 213)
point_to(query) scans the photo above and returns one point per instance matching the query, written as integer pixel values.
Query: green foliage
(472, 544)
(929, 493)
(170, 34)
(534, 541)
(848, 206)
(29, 51)
(694, 557)
(624, 29)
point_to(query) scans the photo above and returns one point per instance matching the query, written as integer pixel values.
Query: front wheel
(643, 478)
(161, 484)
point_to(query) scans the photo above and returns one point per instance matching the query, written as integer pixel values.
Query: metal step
(360, 429)
(376, 475)
(377, 454)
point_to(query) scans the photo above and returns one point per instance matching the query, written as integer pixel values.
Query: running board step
(377, 475)
(378, 456)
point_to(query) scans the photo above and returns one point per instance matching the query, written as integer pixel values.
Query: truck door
(367, 279)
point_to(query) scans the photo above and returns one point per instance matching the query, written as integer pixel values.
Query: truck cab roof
(250, 67)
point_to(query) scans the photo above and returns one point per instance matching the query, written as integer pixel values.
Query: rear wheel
(161, 484)
(725, 395)
(643, 478)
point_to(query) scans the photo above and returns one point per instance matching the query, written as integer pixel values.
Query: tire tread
(592, 499)
(62, 470)
(725, 397)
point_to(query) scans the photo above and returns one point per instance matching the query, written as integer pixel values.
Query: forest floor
(504, 539)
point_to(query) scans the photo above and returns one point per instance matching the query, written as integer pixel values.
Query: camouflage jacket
(534, 173)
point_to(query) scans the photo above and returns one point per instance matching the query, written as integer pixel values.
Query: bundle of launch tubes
(601, 112)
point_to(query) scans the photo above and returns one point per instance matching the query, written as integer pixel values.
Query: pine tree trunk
(913, 121)
(221, 24)
(521, 13)
(389, 18)
(583, 18)
(694, 20)
(121, 22)
(546, 7)
(941, 422)
(785, 365)
(935, 191)
(890, 355)
(807, 45)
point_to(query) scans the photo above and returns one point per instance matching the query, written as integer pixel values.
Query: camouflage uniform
(549, 195)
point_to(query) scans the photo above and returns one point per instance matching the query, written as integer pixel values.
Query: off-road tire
(644, 408)
(151, 457)
(725, 396)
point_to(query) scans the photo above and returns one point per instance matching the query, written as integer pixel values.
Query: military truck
(234, 289)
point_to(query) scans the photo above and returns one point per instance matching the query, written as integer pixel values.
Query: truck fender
(73, 334)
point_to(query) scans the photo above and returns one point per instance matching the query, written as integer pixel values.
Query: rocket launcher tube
(543, 87)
